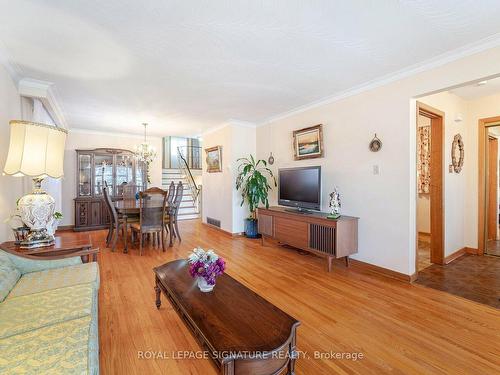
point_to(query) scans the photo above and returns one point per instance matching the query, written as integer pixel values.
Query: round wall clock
(375, 144)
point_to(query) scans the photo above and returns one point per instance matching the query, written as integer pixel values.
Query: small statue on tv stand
(334, 204)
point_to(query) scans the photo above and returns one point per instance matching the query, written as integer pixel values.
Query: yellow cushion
(33, 311)
(57, 349)
(55, 278)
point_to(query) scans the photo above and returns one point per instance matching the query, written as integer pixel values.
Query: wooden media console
(311, 231)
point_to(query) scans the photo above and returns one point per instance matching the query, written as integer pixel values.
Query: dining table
(132, 207)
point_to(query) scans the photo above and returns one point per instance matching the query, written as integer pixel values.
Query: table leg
(158, 295)
(125, 236)
(347, 261)
(330, 264)
(293, 354)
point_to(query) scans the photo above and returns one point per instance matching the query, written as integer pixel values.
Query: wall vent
(214, 222)
(322, 238)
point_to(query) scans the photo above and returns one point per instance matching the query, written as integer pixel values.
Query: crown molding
(47, 94)
(230, 122)
(112, 134)
(12, 68)
(440, 60)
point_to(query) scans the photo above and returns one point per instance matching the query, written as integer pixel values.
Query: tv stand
(314, 233)
(297, 211)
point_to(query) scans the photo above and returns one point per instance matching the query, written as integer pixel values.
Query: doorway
(430, 180)
(489, 190)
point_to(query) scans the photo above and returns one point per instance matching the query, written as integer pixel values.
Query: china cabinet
(96, 169)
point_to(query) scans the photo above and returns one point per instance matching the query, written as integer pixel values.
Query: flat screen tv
(300, 188)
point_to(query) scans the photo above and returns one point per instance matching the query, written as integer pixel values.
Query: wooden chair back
(154, 190)
(109, 203)
(129, 191)
(171, 192)
(152, 208)
(178, 198)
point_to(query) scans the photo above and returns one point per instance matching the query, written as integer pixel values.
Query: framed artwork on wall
(214, 159)
(308, 142)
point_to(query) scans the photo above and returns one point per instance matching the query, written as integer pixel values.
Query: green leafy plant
(58, 215)
(252, 181)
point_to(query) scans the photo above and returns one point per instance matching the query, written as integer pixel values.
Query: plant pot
(204, 286)
(251, 228)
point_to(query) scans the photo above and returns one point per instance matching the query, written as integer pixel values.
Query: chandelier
(145, 152)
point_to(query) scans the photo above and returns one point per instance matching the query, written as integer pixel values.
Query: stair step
(188, 217)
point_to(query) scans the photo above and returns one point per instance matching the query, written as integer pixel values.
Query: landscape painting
(308, 142)
(214, 159)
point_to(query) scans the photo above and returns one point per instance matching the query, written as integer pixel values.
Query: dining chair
(171, 192)
(179, 191)
(129, 191)
(116, 222)
(152, 207)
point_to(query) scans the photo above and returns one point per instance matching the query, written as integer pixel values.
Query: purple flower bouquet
(206, 266)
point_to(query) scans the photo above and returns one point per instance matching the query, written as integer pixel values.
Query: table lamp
(36, 150)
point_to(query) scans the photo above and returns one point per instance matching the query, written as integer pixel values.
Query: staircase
(189, 207)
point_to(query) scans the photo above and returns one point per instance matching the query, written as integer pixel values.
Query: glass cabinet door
(140, 176)
(103, 173)
(84, 175)
(124, 172)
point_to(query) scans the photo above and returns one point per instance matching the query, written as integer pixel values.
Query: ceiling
(186, 66)
(478, 90)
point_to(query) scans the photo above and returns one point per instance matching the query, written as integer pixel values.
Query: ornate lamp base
(37, 212)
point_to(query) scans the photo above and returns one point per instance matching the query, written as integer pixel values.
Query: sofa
(48, 316)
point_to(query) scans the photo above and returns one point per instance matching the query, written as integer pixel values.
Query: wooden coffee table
(76, 244)
(241, 331)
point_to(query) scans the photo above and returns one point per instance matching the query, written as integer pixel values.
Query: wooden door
(492, 188)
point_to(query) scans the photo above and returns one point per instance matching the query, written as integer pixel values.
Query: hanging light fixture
(145, 152)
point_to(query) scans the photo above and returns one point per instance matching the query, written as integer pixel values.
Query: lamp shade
(35, 150)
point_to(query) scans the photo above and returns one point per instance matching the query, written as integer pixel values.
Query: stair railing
(182, 158)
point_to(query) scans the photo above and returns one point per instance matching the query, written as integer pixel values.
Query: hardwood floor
(493, 247)
(424, 251)
(473, 277)
(399, 328)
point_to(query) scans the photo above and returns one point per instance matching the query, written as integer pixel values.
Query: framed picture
(214, 159)
(308, 142)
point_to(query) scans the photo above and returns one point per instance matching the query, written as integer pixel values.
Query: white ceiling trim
(231, 122)
(443, 59)
(13, 69)
(46, 93)
(112, 134)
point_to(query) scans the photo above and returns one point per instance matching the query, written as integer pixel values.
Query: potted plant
(205, 266)
(253, 183)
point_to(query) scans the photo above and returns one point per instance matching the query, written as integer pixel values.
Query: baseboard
(239, 234)
(457, 254)
(62, 228)
(471, 250)
(383, 271)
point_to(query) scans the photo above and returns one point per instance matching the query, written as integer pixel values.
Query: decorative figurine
(334, 204)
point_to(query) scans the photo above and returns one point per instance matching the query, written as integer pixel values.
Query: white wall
(217, 187)
(221, 200)
(478, 109)
(454, 183)
(423, 200)
(385, 203)
(83, 139)
(11, 188)
(244, 139)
